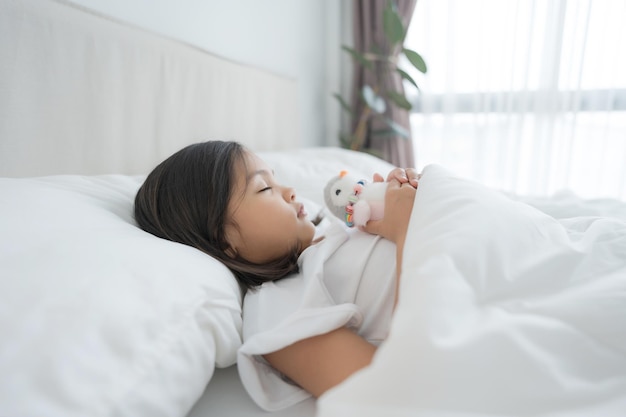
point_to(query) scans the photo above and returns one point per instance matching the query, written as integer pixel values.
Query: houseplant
(376, 96)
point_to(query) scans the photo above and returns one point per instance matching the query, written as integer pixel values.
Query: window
(526, 96)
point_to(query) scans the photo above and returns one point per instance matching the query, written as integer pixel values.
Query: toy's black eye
(337, 192)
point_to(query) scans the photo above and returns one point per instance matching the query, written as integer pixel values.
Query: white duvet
(503, 311)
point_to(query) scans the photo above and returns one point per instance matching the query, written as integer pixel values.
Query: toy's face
(341, 190)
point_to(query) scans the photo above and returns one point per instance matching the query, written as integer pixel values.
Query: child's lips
(301, 211)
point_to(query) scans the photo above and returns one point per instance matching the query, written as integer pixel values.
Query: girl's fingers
(378, 177)
(413, 176)
(406, 175)
(397, 174)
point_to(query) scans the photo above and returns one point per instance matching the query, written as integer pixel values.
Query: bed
(100, 318)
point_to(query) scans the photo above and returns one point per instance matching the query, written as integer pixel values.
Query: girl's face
(266, 221)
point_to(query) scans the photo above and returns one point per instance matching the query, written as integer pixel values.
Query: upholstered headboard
(84, 94)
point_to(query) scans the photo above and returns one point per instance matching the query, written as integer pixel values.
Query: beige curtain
(369, 34)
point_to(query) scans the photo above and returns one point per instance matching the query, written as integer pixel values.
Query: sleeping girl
(316, 306)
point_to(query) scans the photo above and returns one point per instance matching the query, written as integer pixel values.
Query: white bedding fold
(503, 311)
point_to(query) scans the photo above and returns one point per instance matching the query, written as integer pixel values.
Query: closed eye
(265, 189)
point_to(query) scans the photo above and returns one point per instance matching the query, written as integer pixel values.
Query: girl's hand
(409, 175)
(398, 206)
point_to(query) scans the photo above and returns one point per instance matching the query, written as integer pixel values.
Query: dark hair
(185, 199)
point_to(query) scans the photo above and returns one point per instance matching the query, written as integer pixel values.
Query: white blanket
(503, 311)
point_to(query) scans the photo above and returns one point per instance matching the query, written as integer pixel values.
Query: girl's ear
(231, 252)
(233, 238)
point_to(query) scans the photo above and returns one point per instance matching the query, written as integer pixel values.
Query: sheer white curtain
(522, 95)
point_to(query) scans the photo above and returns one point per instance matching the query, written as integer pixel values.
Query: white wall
(296, 38)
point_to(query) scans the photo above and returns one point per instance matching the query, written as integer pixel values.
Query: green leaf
(392, 24)
(343, 103)
(374, 101)
(375, 49)
(357, 56)
(399, 99)
(407, 77)
(399, 130)
(415, 59)
(345, 141)
(374, 152)
(383, 133)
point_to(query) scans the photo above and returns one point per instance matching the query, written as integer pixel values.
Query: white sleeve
(283, 312)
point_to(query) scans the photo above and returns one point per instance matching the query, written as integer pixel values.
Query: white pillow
(309, 169)
(98, 317)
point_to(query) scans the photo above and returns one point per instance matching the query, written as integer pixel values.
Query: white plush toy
(355, 201)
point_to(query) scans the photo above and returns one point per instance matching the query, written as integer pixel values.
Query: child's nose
(289, 193)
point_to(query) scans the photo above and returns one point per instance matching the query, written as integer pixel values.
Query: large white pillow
(309, 169)
(98, 317)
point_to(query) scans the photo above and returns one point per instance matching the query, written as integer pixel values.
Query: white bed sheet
(226, 396)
